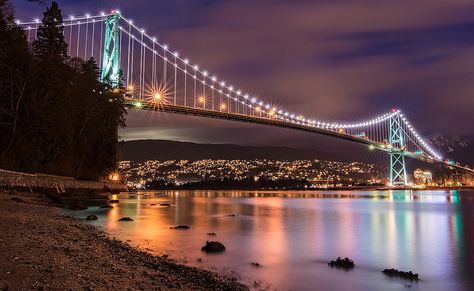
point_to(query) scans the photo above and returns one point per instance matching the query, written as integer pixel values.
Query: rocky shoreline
(43, 249)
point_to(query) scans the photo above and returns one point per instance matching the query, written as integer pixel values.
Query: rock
(256, 265)
(213, 247)
(77, 205)
(114, 201)
(211, 234)
(199, 260)
(125, 219)
(91, 217)
(231, 215)
(153, 204)
(106, 206)
(17, 199)
(12, 192)
(165, 204)
(180, 226)
(345, 263)
(401, 274)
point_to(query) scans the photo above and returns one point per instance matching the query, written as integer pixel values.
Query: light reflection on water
(294, 234)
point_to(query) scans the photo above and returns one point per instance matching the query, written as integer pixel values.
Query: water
(294, 234)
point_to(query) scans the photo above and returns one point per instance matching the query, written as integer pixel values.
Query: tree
(50, 45)
(56, 117)
(15, 63)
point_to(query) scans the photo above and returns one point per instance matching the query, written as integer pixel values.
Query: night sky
(328, 59)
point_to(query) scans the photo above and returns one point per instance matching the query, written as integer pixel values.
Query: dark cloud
(341, 60)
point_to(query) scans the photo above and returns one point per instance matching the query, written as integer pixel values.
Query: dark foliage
(248, 183)
(55, 116)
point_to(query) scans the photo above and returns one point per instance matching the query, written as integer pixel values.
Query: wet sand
(43, 249)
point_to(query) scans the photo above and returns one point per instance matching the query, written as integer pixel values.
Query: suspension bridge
(151, 76)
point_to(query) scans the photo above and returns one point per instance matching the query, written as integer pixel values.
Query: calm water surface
(294, 234)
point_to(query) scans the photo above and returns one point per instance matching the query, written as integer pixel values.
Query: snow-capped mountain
(458, 148)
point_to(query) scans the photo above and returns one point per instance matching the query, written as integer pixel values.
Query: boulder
(77, 205)
(345, 263)
(180, 226)
(165, 204)
(114, 201)
(211, 234)
(401, 274)
(153, 204)
(256, 265)
(106, 206)
(232, 215)
(125, 219)
(91, 217)
(213, 247)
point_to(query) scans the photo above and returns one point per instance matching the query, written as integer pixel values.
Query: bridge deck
(176, 109)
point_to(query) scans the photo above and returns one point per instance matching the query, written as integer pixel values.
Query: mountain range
(142, 150)
(458, 148)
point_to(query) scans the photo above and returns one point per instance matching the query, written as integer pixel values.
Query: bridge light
(186, 61)
(195, 67)
(202, 99)
(130, 87)
(114, 177)
(371, 147)
(204, 73)
(257, 109)
(137, 105)
(157, 96)
(102, 13)
(88, 15)
(37, 20)
(165, 47)
(214, 78)
(17, 21)
(175, 54)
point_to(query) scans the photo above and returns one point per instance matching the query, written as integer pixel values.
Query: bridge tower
(110, 57)
(398, 172)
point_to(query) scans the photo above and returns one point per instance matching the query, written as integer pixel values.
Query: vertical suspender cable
(78, 35)
(165, 65)
(93, 36)
(175, 77)
(120, 51)
(132, 63)
(153, 59)
(185, 75)
(128, 54)
(85, 44)
(141, 66)
(70, 39)
(101, 41)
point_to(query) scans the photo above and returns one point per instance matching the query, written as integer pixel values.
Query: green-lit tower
(398, 172)
(110, 57)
